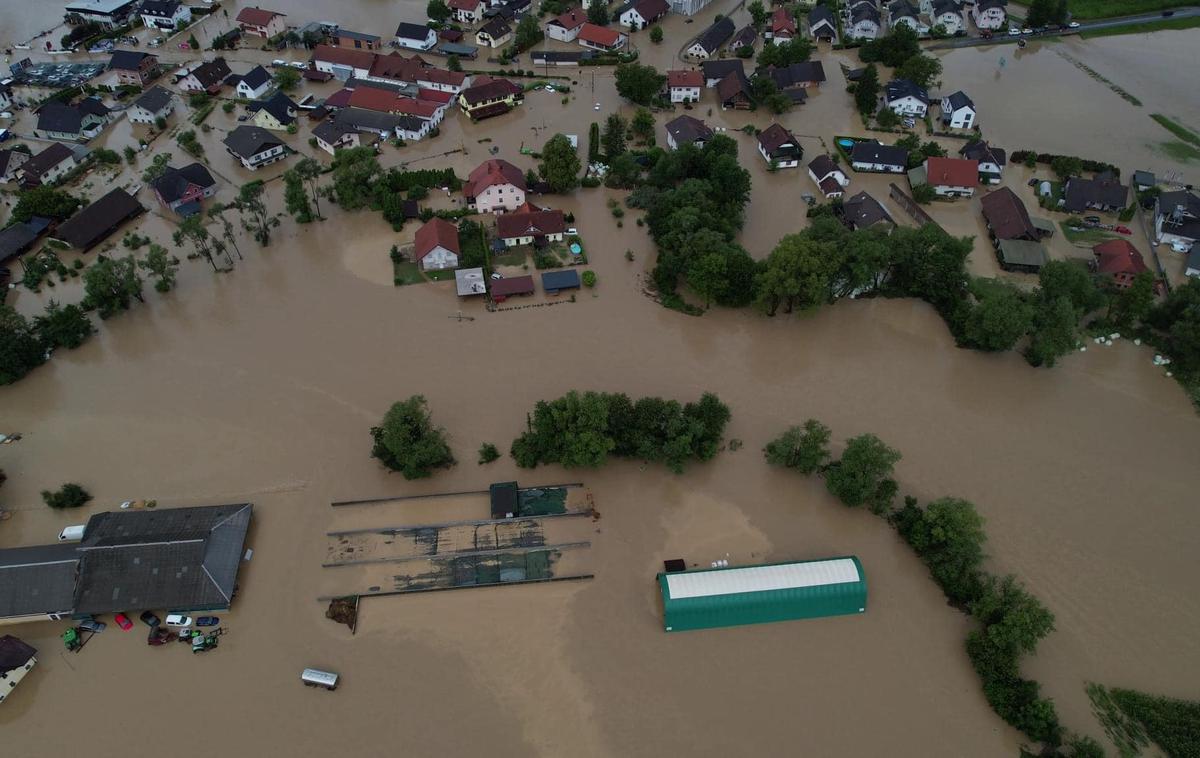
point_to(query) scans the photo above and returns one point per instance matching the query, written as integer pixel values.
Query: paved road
(1001, 38)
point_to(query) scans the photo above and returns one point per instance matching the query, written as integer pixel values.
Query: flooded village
(223, 428)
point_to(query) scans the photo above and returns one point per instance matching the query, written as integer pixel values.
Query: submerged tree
(295, 197)
(70, 495)
(309, 169)
(251, 206)
(560, 164)
(192, 230)
(862, 474)
(20, 347)
(407, 441)
(805, 449)
(63, 326)
(111, 284)
(161, 266)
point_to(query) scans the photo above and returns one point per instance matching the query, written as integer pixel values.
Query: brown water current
(260, 385)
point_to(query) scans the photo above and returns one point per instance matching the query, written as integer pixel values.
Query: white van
(318, 678)
(72, 533)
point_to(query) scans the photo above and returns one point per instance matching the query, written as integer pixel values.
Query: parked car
(986, 34)
(123, 622)
(1168, 14)
(496, 275)
(1073, 25)
(6, 134)
(1027, 30)
(178, 619)
(278, 63)
(1033, 182)
(1092, 219)
(149, 619)
(1014, 32)
(573, 231)
(1122, 230)
(208, 621)
(92, 625)
(299, 65)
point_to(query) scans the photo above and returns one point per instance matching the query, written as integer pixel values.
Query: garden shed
(554, 282)
(718, 597)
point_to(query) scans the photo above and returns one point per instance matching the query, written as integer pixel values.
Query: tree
(437, 11)
(656, 34)
(45, 201)
(572, 431)
(158, 167)
(804, 449)
(1055, 332)
(642, 125)
(887, 118)
(295, 197)
(589, 279)
(560, 164)
(187, 140)
(948, 535)
(865, 465)
(21, 349)
(130, 155)
(893, 49)
(310, 170)
(921, 70)
(798, 272)
(707, 276)
(624, 172)
(62, 326)
(795, 50)
(1001, 316)
(1013, 620)
(160, 265)
(287, 79)
(758, 13)
(407, 441)
(70, 495)
(1066, 166)
(110, 284)
(250, 204)
(613, 138)
(1130, 306)
(354, 173)
(866, 91)
(1044, 12)
(598, 14)
(924, 193)
(488, 453)
(1072, 280)
(192, 230)
(192, 43)
(218, 212)
(529, 32)
(639, 84)
(453, 63)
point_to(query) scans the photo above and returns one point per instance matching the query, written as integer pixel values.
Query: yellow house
(276, 113)
(489, 97)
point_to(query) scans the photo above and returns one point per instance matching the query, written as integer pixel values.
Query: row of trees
(900, 49)
(948, 536)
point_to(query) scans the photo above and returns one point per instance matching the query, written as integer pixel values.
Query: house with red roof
(1119, 260)
(435, 247)
(467, 11)
(952, 177)
(601, 38)
(565, 27)
(343, 63)
(783, 27)
(531, 228)
(261, 22)
(495, 186)
(685, 86)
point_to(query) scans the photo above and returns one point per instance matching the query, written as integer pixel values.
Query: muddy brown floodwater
(261, 385)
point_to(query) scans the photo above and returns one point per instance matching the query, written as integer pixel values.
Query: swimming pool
(845, 142)
(575, 248)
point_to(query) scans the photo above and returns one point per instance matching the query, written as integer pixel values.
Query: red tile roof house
(436, 245)
(1119, 260)
(952, 177)
(536, 228)
(685, 86)
(601, 38)
(467, 11)
(565, 27)
(783, 27)
(495, 186)
(261, 22)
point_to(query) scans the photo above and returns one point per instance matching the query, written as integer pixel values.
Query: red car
(1122, 230)
(123, 622)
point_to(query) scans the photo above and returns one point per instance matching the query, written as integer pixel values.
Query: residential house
(276, 113)
(343, 64)
(133, 68)
(864, 21)
(10, 164)
(715, 71)
(79, 122)
(711, 39)
(490, 97)
(16, 660)
(467, 11)
(94, 223)
(165, 15)
(991, 160)
(795, 79)
(865, 212)
(495, 33)
(253, 84)
(384, 125)
(386, 101)
(779, 147)
(415, 36)
(349, 40)
(332, 136)
(1021, 255)
(18, 238)
(565, 27)
(688, 7)
(1007, 218)
(153, 104)
(182, 189)
(254, 146)
(394, 68)
(6, 96)
(686, 130)
(1119, 260)
(531, 227)
(874, 157)
(1103, 193)
(641, 13)
(261, 22)
(782, 28)
(904, 13)
(827, 176)
(109, 14)
(990, 15)
(560, 58)
(958, 112)
(906, 98)
(952, 177)
(601, 38)
(734, 92)
(48, 166)
(1177, 220)
(435, 247)
(685, 86)
(948, 15)
(744, 37)
(821, 23)
(1142, 180)
(207, 77)
(495, 186)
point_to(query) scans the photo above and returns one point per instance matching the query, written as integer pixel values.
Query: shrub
(589, 278)
(70, 495)
(406, 440)
(488, 453)
(859, 477)
(804, 449)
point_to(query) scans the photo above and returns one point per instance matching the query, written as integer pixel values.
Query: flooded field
(261, 385)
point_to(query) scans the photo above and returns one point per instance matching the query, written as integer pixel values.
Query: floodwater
(261, 385)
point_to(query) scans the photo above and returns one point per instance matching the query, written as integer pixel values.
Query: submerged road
(1107, 23)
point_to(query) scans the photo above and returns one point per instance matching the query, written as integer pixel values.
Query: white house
(495, 186)
(874, 157)
(827, 176)
(48, 166)
(952, 177)
(153, 104)
(332, 136)
(261, 22)
(903, 12)
(991, 160)
(641, 13)
(164, 14)
(948, 15)
(467, 11)
(1177, 221)
(685, 86)
(415, 36)
(906, 98)
(253, 84)
(565, 27)
(864, 21)
(779, 147)
(436, 245)
(958, 112)
(530, 227)
(254, 146)
(821, 23)
(990, 14)
(711, 39)
(686, 130)
(495, 33)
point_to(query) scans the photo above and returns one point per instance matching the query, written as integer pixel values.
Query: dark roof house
(1104, 192)
(981, 151)
(154, 99)
(36, 581)
(863, 212)
(714, 36)
(91, 225)
(734, 91)
(174, 182)
(246, 141)
(898, 89)
(878, 154)
(54, 154)
(715, 71)
(1007, 217)
(687, 130)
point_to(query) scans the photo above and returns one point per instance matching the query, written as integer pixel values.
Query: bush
(488, 453)
(406, 440)
(228, 106)
(70, 495)
(804, 449)
(861, 476)
(589, 278)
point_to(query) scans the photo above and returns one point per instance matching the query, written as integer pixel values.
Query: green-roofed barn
(718, 597)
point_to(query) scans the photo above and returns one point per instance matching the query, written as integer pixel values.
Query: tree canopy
(407, 441)
(45, 201)
(560, 165)
(637, 83)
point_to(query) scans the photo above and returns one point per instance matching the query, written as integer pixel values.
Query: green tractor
(71, 638)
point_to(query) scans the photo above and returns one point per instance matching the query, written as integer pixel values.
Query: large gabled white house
(906, 98)
(958, 112)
